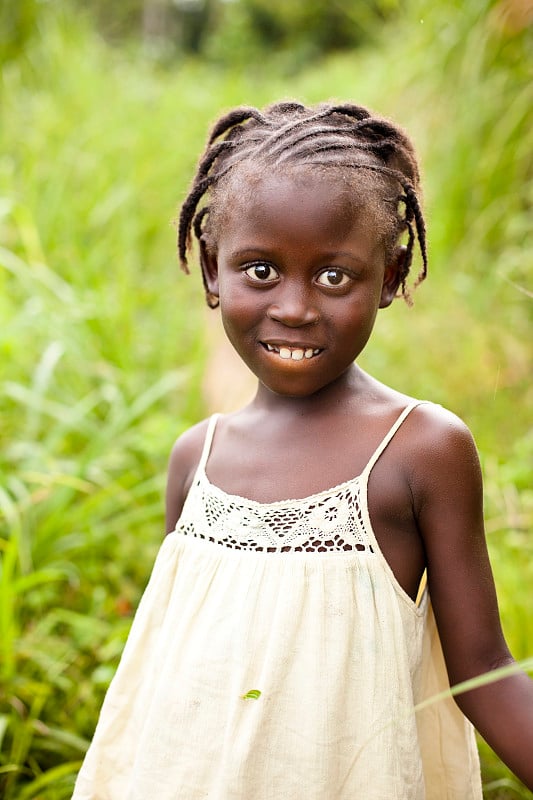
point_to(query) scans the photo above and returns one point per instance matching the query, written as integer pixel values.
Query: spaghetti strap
(208, 441)
(386, 440)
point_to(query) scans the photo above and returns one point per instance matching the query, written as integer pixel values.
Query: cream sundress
(274, 656)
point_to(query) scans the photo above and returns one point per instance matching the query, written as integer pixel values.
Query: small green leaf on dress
(253, 694)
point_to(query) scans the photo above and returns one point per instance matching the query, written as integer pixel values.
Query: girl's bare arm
(448, 499)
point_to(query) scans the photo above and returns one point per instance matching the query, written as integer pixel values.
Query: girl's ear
(209, 265)
(392, 277)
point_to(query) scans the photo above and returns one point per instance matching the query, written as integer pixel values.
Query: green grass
(102, 340)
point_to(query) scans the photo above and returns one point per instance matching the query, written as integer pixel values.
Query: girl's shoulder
(433, 441)
(438, 429)
(184, 459)
(440, 457)
(189, 444)
(435, 437)
(428, 428)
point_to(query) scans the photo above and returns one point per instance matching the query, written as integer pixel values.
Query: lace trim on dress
(328, 522)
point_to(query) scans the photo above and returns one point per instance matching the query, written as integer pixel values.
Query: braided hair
(375, 157)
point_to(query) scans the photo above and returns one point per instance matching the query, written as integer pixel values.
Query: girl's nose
(293, 308)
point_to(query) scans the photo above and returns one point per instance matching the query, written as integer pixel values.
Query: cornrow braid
(235, 117)
(355, 112)
(342, 136)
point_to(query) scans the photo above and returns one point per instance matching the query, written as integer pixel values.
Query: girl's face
(300, 277)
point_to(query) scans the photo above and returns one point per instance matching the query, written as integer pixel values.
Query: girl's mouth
(292, 353)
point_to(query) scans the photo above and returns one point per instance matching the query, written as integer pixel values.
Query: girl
(285, 637)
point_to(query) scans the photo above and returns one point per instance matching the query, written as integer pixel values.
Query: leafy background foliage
(104, 110)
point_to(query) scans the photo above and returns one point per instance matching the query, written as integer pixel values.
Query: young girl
(286, 637)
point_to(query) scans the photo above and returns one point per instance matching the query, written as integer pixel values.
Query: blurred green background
(104, 109)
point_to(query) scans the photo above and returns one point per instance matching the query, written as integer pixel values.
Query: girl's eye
(333, 277)
(261, 272)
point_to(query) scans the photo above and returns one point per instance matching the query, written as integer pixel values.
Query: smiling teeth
(295, 353)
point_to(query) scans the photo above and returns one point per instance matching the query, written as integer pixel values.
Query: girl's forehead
(302, 194)
(288, 179)
(284, 201)
(287, 210)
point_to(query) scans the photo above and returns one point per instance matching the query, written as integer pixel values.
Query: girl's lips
(292, 352)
